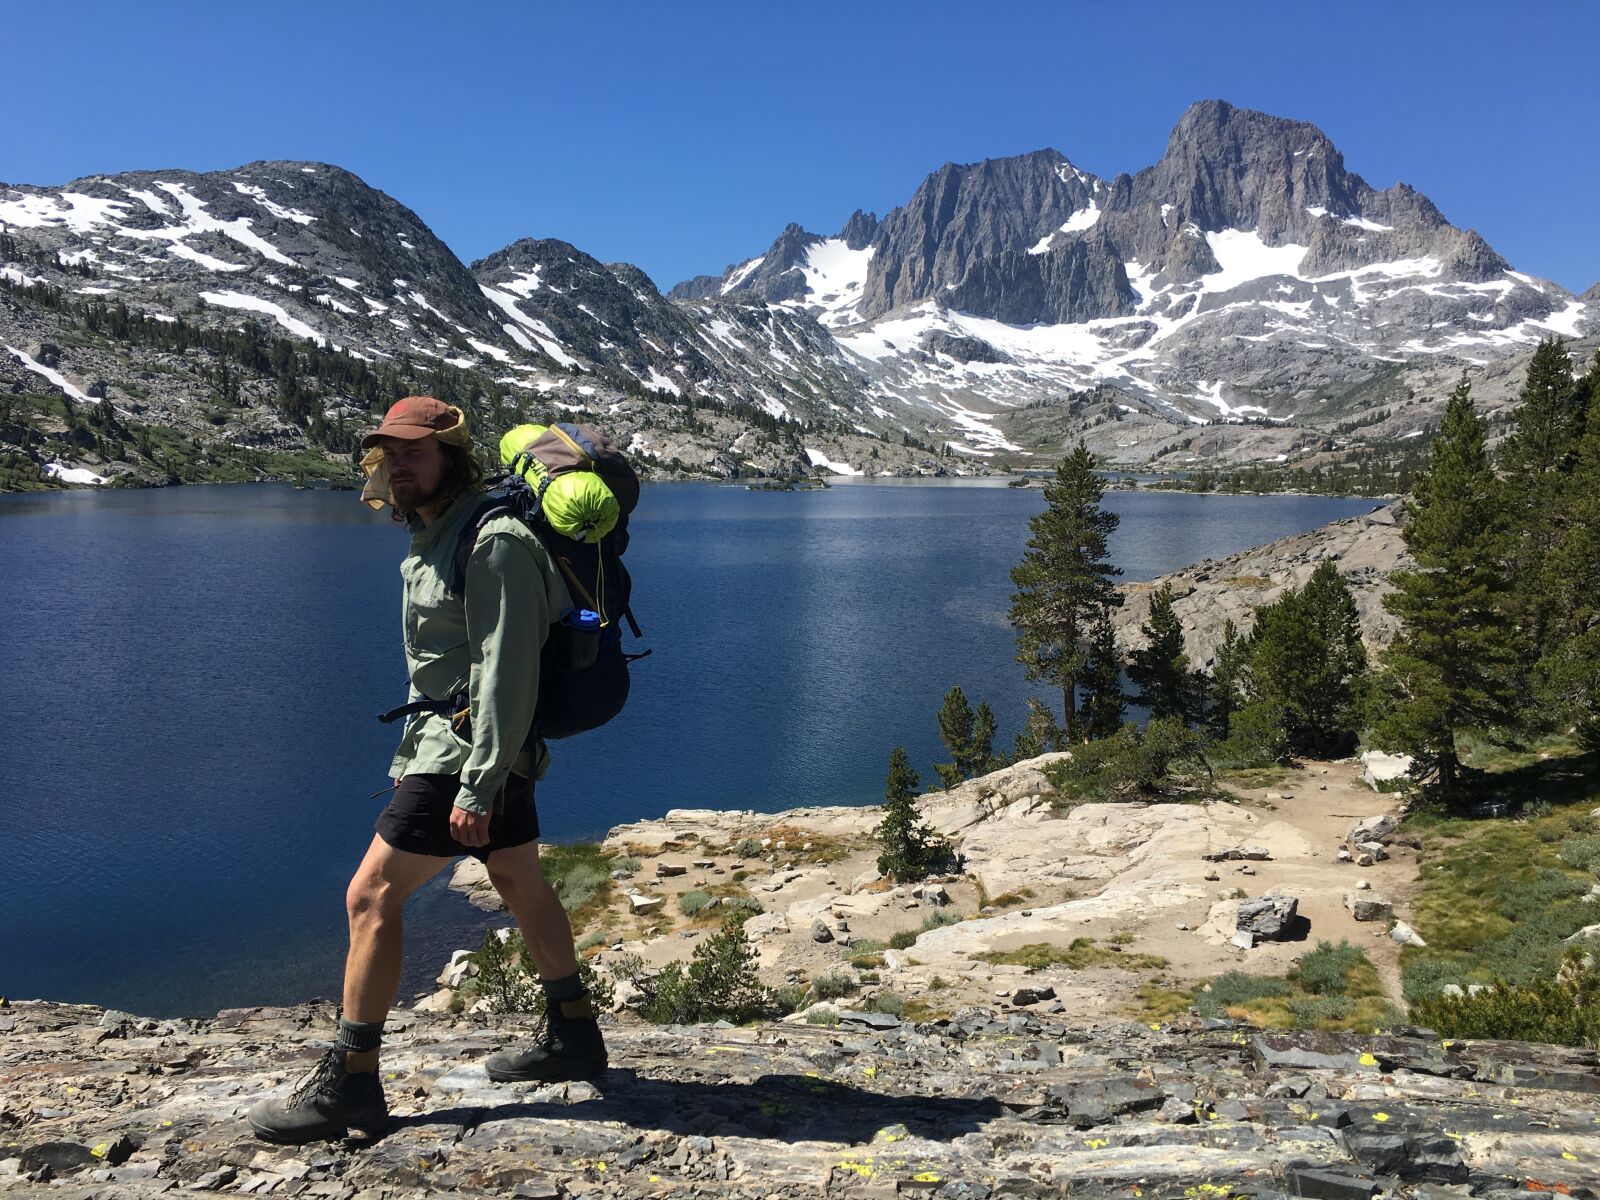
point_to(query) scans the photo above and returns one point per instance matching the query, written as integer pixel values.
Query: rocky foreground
(101, 1104)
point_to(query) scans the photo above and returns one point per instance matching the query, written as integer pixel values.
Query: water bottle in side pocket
(583, 637)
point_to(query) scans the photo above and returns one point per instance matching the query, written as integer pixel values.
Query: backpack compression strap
(487, 511)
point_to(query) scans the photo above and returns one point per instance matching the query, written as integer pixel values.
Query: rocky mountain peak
(859, 230)
(965, 213)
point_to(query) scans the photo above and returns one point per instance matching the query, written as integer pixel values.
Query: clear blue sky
(683, 136)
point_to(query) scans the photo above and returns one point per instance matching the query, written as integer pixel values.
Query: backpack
(583, 674)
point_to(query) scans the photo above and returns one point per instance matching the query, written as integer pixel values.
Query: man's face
(415, 466)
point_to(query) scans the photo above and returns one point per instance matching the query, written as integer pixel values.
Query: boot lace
(324, 1073)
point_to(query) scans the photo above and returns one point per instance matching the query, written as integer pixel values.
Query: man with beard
(476, 656)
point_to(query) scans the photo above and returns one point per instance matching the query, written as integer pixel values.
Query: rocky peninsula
(1212, 592)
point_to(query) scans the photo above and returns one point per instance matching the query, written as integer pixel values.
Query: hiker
(464, 778)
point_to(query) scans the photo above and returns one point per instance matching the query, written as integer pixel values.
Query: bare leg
(516, 875)
(376, 902)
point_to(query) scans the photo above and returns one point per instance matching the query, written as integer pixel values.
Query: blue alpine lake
(191, 678)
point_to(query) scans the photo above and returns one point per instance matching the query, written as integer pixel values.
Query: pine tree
(955, 731)
(1104, 705)
(1451, 663)
(1569, 669)
(982, 759)
(1225, 690)
(910, 848)
(1307, 660)
(1064, 578)
(1040, 733)
(1534, 461)
(1548, 420)
(1160, 669)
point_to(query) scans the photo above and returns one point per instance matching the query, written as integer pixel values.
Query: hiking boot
(327, 1104)
(569, 1047)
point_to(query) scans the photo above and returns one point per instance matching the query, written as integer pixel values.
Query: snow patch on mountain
(208, 261)
(835, 276)
(1243, 256)
(1084, 218)
(538, 330)
(70, 210)
(256, 304)
(272, 206)
(819, 459)
(50, 373)
(74, 474)
(742, 274)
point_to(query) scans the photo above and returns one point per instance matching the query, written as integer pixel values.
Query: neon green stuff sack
(575, 501)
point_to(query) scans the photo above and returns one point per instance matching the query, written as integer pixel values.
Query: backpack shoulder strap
(488, 510)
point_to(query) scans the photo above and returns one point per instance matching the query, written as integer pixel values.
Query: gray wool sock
(359, 1035)
(558, 990)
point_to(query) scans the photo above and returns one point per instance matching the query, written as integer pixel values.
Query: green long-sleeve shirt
(488, 646)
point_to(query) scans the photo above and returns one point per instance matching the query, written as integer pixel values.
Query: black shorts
(417, 819)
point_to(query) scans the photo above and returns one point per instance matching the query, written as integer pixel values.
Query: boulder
(458, 969)
(1406, 935)
(1378, 768)
(1375, 849)
(766, 924)
(1237, 853)
(665, 870)
(438, 1002)
(1368, 906)
(820, 931)
(1268, 918)
(641, 904)
(1025, 996)
(1372, 829)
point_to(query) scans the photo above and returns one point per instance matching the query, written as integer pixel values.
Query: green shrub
(904, 939)
(506, 980)
(579, 872)
(1256, 738)
(1582, 852)
(503, 978)
(692, 902)
(822, 1016)
(1564, 1010)
(887, 1002)
(1161, 761)
(1311, 1011)
(939, 918)
(832, 986)
(719, 982)
(628, 866)
(747, 848)
(788, 998)
(867, 946)
(1425, 978)
(590, 940)
(1235, 988)
(1325, 971)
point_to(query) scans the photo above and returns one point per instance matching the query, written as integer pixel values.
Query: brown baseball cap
(414, 417)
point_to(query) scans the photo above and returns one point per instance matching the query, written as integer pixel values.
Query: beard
(408, 496)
